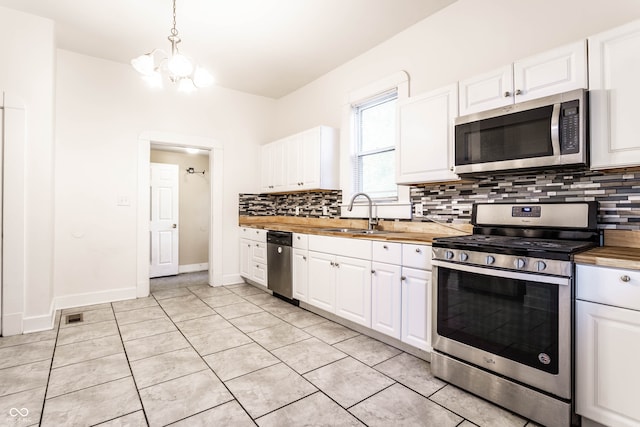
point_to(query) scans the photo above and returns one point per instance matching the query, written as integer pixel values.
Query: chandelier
(179, 68)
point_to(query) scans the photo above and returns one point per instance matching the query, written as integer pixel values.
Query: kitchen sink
(354, 231)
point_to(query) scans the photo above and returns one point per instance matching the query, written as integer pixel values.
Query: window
(375, 132)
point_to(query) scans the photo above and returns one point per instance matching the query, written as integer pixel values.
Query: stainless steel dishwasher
(279, 264)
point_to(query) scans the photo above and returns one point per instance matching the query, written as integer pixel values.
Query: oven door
(515, 324)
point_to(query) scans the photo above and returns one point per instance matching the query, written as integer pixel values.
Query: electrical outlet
(297, 210)
(417, 209)
(325, 210)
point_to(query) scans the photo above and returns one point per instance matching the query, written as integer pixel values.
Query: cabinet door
(259, 273)
(353, 290)
(607, 354)
(266, 172)
(310, 160)
(614, 67)
(322, 281)
(386, 304)
(486, 91)
(416, 308)
(279, 163)
(245, 258)
(554, 71)
(294, 162)
(259, 252)
(300, 274)
(424, 151)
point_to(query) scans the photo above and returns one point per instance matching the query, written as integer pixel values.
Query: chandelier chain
(174, 30)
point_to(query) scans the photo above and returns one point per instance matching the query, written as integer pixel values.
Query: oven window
(515, 319)
(521, 135)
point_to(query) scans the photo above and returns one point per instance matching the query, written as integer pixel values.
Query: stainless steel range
(502, 321)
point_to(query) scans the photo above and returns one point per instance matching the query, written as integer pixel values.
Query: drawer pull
(304, 258)
(337, 265)
(385, 247)
(625, 278)
(418, 250)
(332, 264)
(298, 237)
(403, 278)
(373, 272)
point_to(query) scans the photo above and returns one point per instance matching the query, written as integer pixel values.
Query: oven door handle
(555, 129)
(563, 281)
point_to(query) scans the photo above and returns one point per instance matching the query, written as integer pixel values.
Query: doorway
(215, 170)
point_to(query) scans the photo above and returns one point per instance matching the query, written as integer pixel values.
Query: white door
(322, 281)
(164, 220)
(300, 274)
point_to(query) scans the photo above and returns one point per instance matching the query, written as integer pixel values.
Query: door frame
(216, 198)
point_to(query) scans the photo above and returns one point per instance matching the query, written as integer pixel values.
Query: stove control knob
(490, 260)
(448, 255)
(519, 263)
(463, 256)
(540, 265)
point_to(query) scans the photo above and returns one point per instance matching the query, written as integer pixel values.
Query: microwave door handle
(555, 129)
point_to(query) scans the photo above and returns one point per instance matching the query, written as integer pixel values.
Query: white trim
(13, 272)
(232, 279)
(91, 298)
(45, 322)
(216, 188)
(191, 268)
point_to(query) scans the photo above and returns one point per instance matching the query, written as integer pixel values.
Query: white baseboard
(44, 322)
(91, 298)
(232, 279)
(191, 268)
(11, 324)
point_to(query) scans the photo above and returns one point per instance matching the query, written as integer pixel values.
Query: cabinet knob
(337, 265)
(451, 168)
(298, 237)
(507, 94)
(373, 272)
(257, 245)
(418, 250)
(518, 92)
(385, 247)
(257, 266)
(332, 264)
(625, 278)
(304, 258)
(403, 278)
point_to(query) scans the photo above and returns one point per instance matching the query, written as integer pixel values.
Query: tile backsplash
(618, 195)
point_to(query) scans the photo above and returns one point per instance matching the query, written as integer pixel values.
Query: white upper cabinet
(424, 144)
(614, 70)
(555, 71)
(304, 161)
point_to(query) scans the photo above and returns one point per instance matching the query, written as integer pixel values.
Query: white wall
(102, 107)
(463, 39)
(27, 71)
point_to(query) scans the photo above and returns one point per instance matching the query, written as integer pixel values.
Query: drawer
(611, 286)
(300, 241)
(416, 256)
(256, 234)
(354, 248)
(259, 252)
(390, 253)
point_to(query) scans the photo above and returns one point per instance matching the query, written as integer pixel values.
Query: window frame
(359, 153)
(386, 209)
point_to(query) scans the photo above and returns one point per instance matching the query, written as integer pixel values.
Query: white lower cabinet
(608, 345)
(353, 289)
(322, 283)
(416, 322)
(386, 294)
(300, 274)
(253, 255)
(341, 285)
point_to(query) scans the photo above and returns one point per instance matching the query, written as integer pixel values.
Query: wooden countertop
(405, 233)
(611, 256)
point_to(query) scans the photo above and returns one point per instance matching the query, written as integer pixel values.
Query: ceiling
(263, 47)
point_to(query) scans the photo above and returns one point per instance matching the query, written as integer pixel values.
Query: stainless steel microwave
(542, 133)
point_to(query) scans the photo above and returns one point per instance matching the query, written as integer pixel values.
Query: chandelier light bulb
(143, 64)
(179, 65)
(186, 85)
(202, 78)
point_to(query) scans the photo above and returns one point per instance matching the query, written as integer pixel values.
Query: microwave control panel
(569, 127)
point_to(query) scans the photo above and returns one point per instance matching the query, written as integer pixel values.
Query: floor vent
(73, 318)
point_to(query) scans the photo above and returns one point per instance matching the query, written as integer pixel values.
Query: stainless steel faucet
(372, 221)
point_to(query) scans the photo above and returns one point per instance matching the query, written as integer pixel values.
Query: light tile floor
(233, 356)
